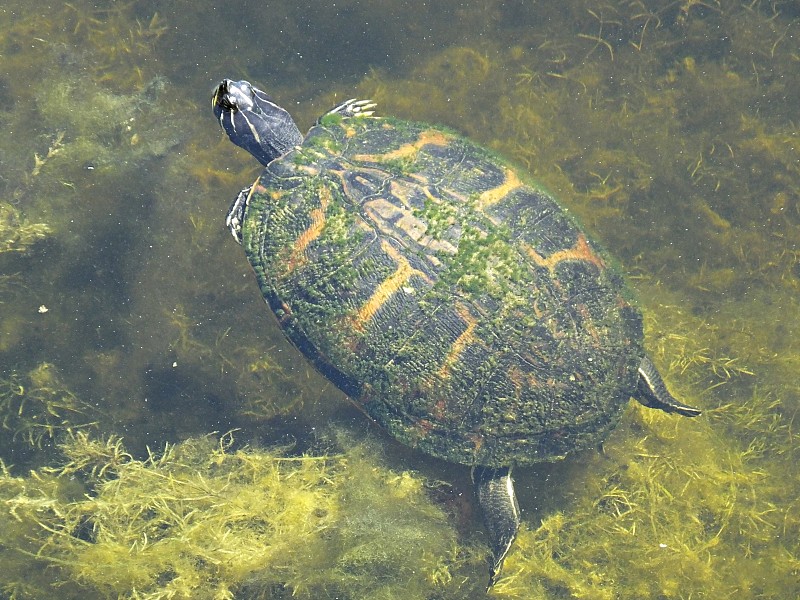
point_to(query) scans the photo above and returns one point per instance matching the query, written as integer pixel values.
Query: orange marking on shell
(388, 287)
(423, 428)
(477, 442)
(287, 313)
(580, 251)
(439, 409)
(429, 136)
(588, 323)
(493, 196)
(297, 255)
(522, 380)
(516, 377)
(462, 341)
(398, 221)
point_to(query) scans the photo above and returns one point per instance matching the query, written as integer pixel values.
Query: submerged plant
(39, 406)
(204, 520)
(97, 459)
(16, 233)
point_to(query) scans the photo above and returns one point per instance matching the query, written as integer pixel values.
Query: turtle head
(253, 121)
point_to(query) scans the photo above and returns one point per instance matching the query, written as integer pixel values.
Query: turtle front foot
(352, 108)
(235, 216)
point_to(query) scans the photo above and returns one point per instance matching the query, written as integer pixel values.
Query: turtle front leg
(495, 491)
(351, 108)
(235, 216)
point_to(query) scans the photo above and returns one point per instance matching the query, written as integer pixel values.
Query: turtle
(449, 296)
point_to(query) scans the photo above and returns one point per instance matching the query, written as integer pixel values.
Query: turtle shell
(454, 300)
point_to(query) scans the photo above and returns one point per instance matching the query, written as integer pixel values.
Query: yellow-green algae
(17, 234)
(38, 407)
(201, 519)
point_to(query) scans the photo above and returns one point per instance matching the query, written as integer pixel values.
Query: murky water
(126, 310)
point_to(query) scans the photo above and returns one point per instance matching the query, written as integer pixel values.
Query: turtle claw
(353, 108)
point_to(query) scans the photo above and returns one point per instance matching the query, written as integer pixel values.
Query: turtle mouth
(224, 99)
(233, 97)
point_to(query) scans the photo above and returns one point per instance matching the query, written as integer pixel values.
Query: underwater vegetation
(76, 87)
(17, 234)
(203, 519)
(38, 407)
(98, 195)
(18, 237)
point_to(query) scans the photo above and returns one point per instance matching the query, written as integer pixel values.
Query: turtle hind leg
(652, 392)
(495, 491)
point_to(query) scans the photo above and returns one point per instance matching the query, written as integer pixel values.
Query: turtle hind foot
(498, 502)
(652, 392)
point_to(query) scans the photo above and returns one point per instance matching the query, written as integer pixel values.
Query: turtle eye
(241, 89)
